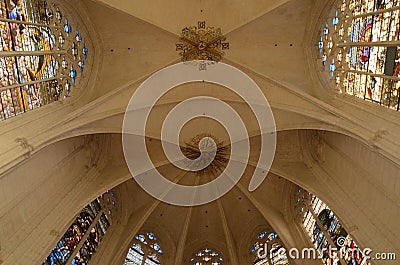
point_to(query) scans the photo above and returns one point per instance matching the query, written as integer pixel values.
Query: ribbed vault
(77, 142)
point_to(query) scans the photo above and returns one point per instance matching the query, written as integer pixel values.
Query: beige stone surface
(344, 150)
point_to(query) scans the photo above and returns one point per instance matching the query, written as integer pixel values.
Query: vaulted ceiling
(172, 16)
(138, 38)
(266, 37)
(130, 41)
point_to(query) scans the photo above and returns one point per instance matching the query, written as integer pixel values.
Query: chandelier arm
(215, 52)
(216, 39)
(190, 52)
(192, 42)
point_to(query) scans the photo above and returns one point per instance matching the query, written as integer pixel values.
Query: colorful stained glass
(361, 44)
(33, 55)
(145, 248)
(272, 250)
(91, 243)
(207, 256)
(85, 233)
(325, 232)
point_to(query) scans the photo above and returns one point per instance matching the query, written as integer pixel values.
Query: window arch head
(86, 231)
(268, 249)
(42, 55)
(145, 248)
(207, 256)
(359, 49)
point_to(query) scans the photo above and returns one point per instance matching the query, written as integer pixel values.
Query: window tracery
(82, 238)
(145, 251)
(360, 50)
(42, 56)
(207, 256)
(269, 250)
(325, 230)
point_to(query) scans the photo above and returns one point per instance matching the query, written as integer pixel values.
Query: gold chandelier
(202, 43)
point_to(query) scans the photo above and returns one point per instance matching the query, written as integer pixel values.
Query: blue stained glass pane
(326, 29)
(72, 74)
(151, 236)
(85, 51)
(140, 237)
(335, 20)
(332, 68)
(67, 27)
(81, 65)
(320, 45)
(78, 36)
(157, 248)
(261, 235)
(255, 247)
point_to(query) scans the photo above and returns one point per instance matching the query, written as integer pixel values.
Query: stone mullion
(345, 18)
(327, 235)
(369, 44)
(386, 77)
(375, 12)
(27, 83)
(144, 257)
(85, 236)
(31, 53)
(269, 253)
(29, 23)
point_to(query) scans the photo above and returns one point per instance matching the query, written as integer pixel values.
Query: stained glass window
(207, 256)
(325, 230)
(145, 249)
(79, 243)
(269, 250)
(360, 50)
(41, 60)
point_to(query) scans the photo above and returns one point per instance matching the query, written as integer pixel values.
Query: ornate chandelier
(202, 43)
